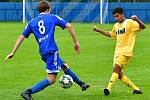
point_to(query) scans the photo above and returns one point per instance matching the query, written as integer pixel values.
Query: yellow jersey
(124, 33)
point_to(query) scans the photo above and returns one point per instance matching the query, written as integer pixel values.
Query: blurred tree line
(78, 0)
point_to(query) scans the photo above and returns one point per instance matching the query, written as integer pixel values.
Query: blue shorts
(53, 62)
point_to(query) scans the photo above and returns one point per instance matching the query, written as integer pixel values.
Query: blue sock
(74, 76)
(40, 86)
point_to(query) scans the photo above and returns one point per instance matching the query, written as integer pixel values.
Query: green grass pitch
(93, 65)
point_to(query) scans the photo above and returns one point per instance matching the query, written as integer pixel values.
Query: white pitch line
(96, 86)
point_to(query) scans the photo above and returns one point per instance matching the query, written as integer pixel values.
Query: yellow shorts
(121, 60)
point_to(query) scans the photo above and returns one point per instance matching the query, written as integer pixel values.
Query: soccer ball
(65, 81)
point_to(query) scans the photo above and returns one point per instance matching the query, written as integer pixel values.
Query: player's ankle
(29, 91)
(108, 89)
(80, 83)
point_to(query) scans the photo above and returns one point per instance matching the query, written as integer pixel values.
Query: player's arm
(101, 31)
(17, 44)
(73, 35)
(141, 24)
(64, 24)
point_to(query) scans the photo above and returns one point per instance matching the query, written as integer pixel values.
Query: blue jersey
(43, 28)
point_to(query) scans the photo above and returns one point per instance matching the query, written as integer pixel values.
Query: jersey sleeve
(60, 22)
(113, 33)
(27, 31)
(135, 26)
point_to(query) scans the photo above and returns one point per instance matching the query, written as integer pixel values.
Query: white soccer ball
(66, 81)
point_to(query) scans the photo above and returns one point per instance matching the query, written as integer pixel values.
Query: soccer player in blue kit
(43, 28)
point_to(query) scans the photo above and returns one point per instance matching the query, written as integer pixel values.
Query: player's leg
(125, 79)
(44, 83)
(39, 86)
(118, 61)
(113, 79)
(130, 84)
(68, 71)
(51, 68)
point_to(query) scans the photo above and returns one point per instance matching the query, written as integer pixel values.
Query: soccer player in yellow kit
(124, 32)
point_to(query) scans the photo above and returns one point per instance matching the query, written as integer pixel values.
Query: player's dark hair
(118, 10)
(43, 6)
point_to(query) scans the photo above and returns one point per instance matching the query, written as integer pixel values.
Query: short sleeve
(27, 31)
(113, 33)
(135, 26)
(60, 22)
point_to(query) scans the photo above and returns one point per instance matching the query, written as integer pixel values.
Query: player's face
(119, 17)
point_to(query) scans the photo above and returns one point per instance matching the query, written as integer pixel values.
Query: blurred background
(89, 11)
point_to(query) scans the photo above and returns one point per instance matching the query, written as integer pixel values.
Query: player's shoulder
(51, 15)
(129, 20)
(54, 16)
(116, 25)
(32, 20)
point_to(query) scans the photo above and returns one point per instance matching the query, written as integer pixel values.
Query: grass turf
(93, 65)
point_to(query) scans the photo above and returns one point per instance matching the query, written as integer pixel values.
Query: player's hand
(77, 47)
(134, 17)
(95, 29)
(9, 56)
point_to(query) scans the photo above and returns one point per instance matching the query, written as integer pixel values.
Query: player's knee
(51, 81)
(117, 69)
(52, 78)
(64, 67)
(120, 75)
